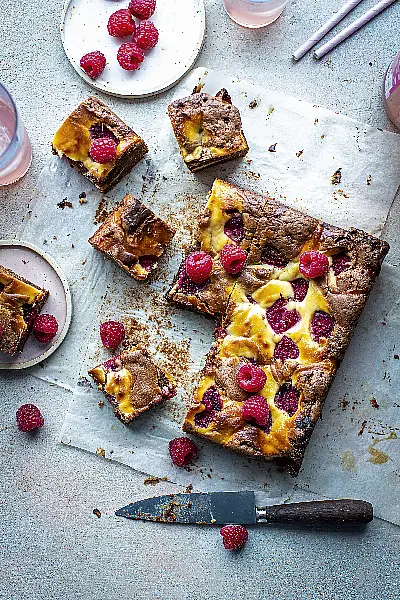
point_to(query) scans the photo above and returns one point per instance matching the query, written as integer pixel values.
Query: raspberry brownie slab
(290, 318)
(133, 383)
(20, 303)
(134, 237)
(98, 144)
(231, 217)
(208, 129)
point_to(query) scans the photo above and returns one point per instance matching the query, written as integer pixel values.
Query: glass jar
(254, 13)
(391, 91)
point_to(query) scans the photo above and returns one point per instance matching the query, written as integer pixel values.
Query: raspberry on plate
(199, 266)
(146, 36)
(103, 150)
(93, 64)
(121, 23)
(313, 264)
(142, 9)
(183, 451)
(29, 417)
(251, 378)
(256, 410)
(130, 56)
(234, 537)
(112, 333)
(45, 328)
(233, 258)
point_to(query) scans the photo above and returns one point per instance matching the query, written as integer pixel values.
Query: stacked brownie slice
(285, 321)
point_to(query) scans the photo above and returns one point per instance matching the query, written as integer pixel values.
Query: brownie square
(93, 119)
(20, 303)
(231, 216)
(208, 129)
(295, 328)
(134, 237)
(133, 383)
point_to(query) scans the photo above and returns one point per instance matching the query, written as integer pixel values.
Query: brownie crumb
(315, 121)
(82, 198)
(299, 153)
(97, 513)
(396, 357)
(100, 403)
(362, 428)
(272, 148)
(154, 480)
(64, 203)
(101, 452)
(253, 103)
(374, 403)
(369, 179)
(336, 177)
(101, 212)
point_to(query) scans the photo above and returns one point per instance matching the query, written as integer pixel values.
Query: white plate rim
(68, 315)
(105, 88)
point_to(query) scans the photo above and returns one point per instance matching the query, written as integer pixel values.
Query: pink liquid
(391, 91)
(19, 150)
(254, 13)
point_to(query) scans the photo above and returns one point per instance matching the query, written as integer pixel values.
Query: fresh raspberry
(313, 264)
(213, 403)
(93, 64)
(300, 288)
(287, 399)
(112, 364)
(99, 130)
(186, 285)
(29, 417)
(234, 228)
(251, 378)
(112, 333)
(256, 410)
(130, 56)
(183, 451)
(233, 258)
(234, 536)
(103, 150)
(340, 262)
(280, 318)
(45, 328)
(286, 348)
(142, 9)
(146, 35)
(199, 266)
(147, 262)
(121, 24)
(271, 256)
(322, 325)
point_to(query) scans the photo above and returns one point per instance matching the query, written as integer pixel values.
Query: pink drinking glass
(15, 147)
(254, 13)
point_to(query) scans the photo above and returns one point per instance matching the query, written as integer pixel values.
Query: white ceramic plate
(181, 24)
(37, 266)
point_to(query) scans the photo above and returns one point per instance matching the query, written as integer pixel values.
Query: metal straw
(348, 31)
(318, 35)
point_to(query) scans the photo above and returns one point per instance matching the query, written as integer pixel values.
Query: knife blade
(220, 508)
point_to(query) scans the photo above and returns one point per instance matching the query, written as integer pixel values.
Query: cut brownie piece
(208, 129)
(20, 303)
(291, 315)
(133, 383)
(231, 217)
(133, 236)
(93, 120)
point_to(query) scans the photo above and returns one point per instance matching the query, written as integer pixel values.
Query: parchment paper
(310, 145)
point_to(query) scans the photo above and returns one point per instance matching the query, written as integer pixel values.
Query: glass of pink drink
(254, 13)
(15, 147)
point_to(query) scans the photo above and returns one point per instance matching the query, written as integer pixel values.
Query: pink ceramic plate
(38, 267)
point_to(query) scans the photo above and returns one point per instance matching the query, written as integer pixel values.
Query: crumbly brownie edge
(199, 164)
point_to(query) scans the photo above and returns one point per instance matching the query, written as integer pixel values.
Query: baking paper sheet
(310, 144)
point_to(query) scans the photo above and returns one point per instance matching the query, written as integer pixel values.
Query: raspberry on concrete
(182, 451)
(112, 333)
(234, 536)
(29, 417)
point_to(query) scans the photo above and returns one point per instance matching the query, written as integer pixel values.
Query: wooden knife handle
(319, 512)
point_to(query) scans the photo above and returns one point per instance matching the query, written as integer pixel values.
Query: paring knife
(220, 508)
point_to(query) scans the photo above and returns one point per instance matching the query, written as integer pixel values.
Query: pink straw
(318, 35)
(348, 31)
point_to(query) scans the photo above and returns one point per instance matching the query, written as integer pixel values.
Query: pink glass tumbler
(15, 147)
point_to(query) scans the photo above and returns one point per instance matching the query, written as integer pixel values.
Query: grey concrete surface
(52, 547)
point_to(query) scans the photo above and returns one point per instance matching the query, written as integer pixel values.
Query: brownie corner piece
(134, 237)
(20, 303)
(93, 119)
(133, 383)
(208, 129)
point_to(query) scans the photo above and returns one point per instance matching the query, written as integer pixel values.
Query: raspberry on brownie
(133, 383)
(290, 317)
(133, 236)
(20, 303)
(105, 165)
(230, 219)
(208, 129)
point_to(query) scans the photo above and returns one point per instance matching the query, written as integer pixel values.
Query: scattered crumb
(100, 403)
(374, 403)
(64, 203)
(197, 89)
(97, 513)
(336, 177)
(189, 489)
(299, 153)
(344, 403)
(84, 262)
(322, 137)
(362, 428)
(315, 121)
(369, 179)
(272, 148)
(154, 480)
(271, 110)
(101, 452)
(253, 103)
(396, 357)
(101, 212)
